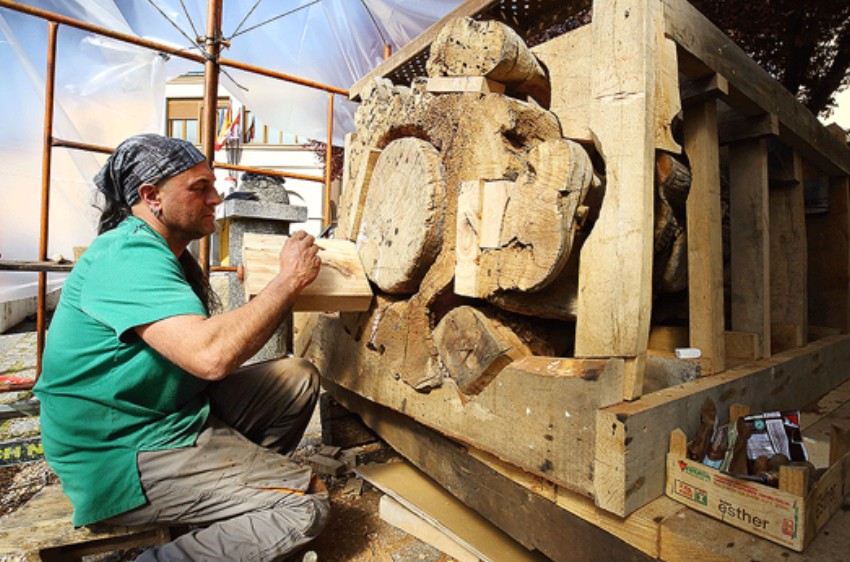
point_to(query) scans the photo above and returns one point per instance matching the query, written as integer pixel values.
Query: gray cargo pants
(223, 482)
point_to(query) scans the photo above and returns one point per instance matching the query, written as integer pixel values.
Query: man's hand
(299, 261)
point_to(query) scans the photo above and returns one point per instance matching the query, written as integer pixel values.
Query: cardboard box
(781, 516)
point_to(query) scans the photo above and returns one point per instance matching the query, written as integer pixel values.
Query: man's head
(164, 181)
(144, 159)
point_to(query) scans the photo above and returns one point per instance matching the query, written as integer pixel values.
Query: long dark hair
(114, 212)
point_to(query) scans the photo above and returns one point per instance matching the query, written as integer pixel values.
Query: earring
(155, 211)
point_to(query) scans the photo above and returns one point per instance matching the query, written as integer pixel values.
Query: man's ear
(149, 194)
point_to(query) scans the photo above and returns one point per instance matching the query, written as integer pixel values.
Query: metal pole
(328, 160)
(388, 51)
(49, 89)
(210, 116)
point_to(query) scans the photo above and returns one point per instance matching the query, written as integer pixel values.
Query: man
(146, 417)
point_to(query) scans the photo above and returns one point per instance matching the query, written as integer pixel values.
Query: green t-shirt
(105, 394)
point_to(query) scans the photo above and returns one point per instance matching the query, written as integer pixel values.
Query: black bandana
(144, 159)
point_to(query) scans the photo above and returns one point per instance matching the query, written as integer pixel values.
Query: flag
(249, 133)
(229, 129)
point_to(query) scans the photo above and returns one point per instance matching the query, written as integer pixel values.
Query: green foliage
(804, 44)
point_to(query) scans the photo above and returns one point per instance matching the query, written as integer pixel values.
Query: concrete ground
(355, 532)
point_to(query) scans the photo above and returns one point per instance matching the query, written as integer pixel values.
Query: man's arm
(211, 348)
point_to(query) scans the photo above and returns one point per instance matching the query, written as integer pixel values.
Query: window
(184, 117)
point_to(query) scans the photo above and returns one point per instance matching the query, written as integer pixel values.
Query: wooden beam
(537, 413)
(531, 519)
(462, 84)
(632, 437)
(789, 253)
(702, 90)
(750, 240)
(615, 275)
(828, 237)
(798, 126)
(341, 285)
(734, 127)
(705, 236)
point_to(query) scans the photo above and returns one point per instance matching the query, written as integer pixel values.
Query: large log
(401, 230)
(465, 47)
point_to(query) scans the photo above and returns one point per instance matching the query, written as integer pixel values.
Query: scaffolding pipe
(277, 173)
(212, 43)
(61, 143)
(46, 162)
(329, 149)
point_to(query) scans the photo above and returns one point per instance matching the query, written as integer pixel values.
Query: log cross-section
(401, 229)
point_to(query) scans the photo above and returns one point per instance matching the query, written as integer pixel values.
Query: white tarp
(108, 90)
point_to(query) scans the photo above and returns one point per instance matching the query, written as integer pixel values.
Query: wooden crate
(791, 515)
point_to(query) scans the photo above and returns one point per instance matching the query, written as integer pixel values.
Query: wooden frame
(759, 353)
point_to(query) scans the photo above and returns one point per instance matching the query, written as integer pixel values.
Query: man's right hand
(299, 260)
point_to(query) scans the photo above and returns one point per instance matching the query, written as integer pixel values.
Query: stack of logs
(469, 209)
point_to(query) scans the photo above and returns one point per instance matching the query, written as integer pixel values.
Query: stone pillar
(269, 214)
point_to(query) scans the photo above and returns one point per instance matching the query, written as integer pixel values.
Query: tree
(803, 44)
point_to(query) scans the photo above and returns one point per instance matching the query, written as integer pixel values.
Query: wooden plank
(341, 284)
(742, 348)
(532, 520)
(349, 224)
(789, 253)
(494, 202)
(475, 84)
(467, 246)
(568, 59)
(705, 236)
(828, 237)
(798, 126)
(631, 438)
(615, 275)
(403, 518)
(750, 239)
(44, 523)
(538, 413)
(422, 495)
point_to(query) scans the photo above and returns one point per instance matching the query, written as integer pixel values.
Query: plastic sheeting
(107, 90)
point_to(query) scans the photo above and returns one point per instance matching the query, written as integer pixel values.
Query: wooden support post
(705, 235)
(829, 260)
(615, 276)
(788, 253)
(750, 239)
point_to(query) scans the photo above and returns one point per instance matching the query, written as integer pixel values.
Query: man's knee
(321, 513)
